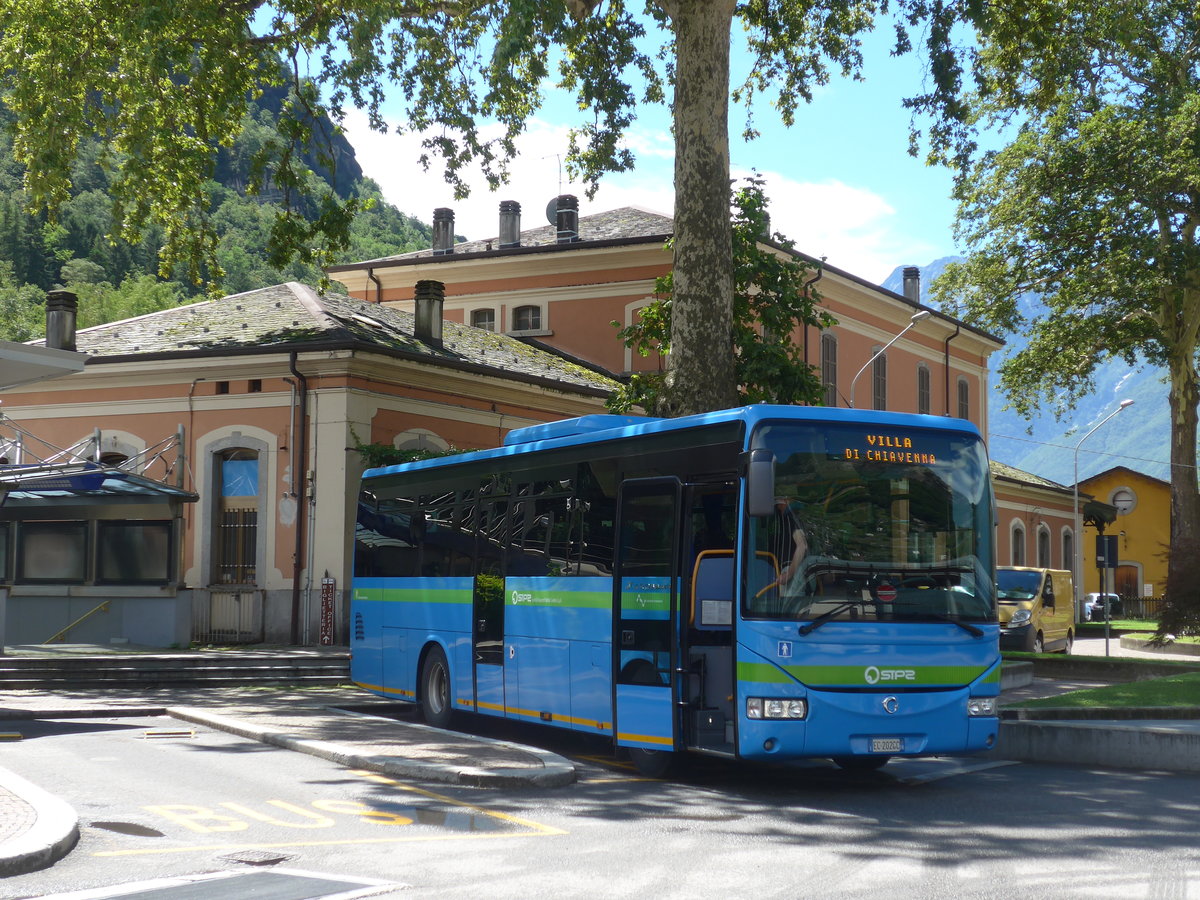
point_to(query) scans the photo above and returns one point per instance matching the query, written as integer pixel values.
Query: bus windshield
(873, 524)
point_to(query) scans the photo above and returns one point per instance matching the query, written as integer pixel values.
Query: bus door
(645, 614)
(707, 615)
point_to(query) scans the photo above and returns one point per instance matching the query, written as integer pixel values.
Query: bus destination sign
(889, 448)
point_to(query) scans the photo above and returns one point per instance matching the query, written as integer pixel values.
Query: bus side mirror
(759, 468)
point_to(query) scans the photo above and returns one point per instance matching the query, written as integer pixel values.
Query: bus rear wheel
(435, 689)
(861, 763)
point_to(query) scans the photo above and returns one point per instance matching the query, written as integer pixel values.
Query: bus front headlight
(981, 706)
(775, 708)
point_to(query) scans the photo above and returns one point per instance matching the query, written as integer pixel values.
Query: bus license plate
(886, 745)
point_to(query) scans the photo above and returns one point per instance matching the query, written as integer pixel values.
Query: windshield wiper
(828, 615)
(969, 629)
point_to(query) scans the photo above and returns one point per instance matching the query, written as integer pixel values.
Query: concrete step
(26, 673)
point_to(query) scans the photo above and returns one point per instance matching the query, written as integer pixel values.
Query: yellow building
(1143, 529)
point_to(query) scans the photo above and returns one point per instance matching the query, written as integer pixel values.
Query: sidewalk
(337, 724)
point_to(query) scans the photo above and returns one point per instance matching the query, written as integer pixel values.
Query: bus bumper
(872, 723)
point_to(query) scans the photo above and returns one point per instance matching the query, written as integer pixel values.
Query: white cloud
(855, 228)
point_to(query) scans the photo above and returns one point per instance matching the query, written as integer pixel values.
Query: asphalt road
(157, 801)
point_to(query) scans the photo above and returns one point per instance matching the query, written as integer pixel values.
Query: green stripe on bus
(872, 675)
(413, 595)
(561, 599)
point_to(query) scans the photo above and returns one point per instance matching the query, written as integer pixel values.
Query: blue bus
(768, 583)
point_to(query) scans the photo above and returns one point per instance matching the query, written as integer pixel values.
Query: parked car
(1094, 607)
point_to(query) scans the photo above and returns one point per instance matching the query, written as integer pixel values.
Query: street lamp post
(917, 317)
(1078, 561)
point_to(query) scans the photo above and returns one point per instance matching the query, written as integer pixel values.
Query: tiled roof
(626, 223)
(1012, 473)
(293, 316)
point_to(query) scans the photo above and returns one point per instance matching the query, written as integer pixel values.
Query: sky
(841, 181)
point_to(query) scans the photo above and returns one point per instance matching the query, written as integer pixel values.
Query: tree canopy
(1093, 205)
(167, 83)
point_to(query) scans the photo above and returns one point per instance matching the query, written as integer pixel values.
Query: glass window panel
(53, 552)
(134, 552)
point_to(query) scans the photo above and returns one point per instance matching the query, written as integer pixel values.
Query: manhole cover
(258, 857)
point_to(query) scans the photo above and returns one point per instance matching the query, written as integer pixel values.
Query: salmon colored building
(255, 403)
(563, 285)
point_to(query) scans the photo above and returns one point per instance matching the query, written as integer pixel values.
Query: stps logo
(874, 675)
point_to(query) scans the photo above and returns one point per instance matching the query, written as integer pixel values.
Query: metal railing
(103, 607)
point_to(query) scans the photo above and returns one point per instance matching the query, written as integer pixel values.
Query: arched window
(484, 318)
(1068, 542)
(879, 382)
(924, 389)
(1043, 547)
(1017, 550)
(964, 399)
(829, 367)
(527, 318)
(235, 544)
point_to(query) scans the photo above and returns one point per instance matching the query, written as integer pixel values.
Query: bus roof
(598, 428)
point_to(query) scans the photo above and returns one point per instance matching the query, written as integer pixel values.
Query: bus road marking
(225, 817)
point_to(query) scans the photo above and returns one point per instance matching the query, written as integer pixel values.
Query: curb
(1108, 744)
(52, 836)
(1142, 645)
(555, 771)
(1109, 714)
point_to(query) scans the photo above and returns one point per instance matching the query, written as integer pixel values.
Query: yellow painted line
(165, 734)
(646, 739)
(385, 690)
(11, 736)
(504, 817)
(536, 829)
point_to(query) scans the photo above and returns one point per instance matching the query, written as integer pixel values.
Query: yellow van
(1037, 609)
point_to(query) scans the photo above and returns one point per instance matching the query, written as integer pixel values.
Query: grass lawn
(1175, 690)
(1148, 625)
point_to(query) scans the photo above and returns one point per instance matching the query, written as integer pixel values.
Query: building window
(133, 552)
(235, 544)
(254, 386)
(52, 552)
(527, 318)
(879, 382)
(1068, 541)
(924, 390)
(222, 387)
(484, 318)
(1125, 500)
(1017, 552)
(964, 399)
(1043, 547)
(829, 367)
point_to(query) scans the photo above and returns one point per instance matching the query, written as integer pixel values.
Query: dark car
(1094, 607)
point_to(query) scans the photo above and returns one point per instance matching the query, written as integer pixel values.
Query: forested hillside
(117, 280)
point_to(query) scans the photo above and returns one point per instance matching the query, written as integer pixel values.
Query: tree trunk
(1183, 566)
(701, 365)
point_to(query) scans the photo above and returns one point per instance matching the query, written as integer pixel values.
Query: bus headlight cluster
(774, 708)
(981, 706)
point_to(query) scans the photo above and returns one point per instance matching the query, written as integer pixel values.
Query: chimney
(510, 224)
(912, 283)
(429, 297)
(567, 218)
(443, 231)
(61, 310)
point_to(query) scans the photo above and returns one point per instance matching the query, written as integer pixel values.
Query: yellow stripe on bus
(646, 739)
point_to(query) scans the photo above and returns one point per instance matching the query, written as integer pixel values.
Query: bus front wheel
(435, 689)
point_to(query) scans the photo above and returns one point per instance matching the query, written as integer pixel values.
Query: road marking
(207, 820)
